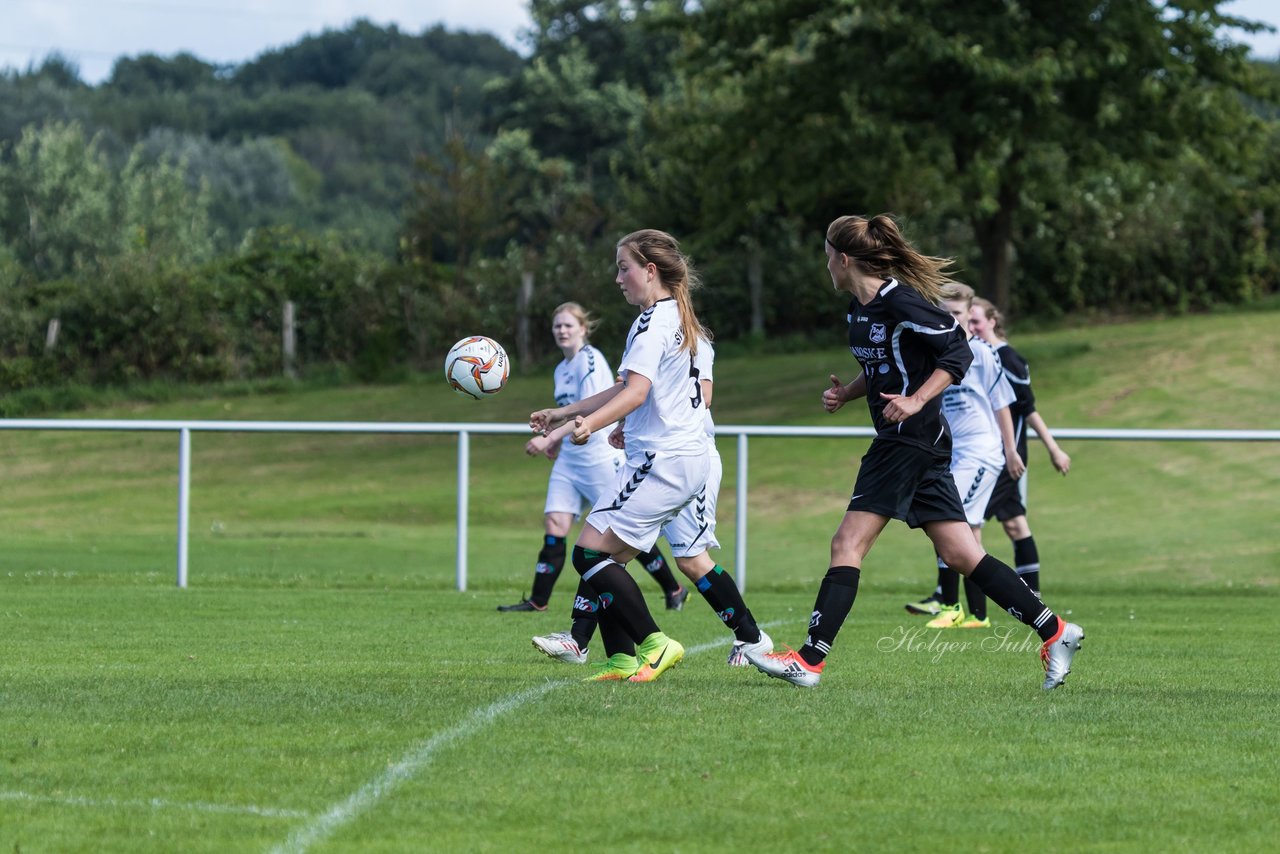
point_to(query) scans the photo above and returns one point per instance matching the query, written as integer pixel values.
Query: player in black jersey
(1009, 501)
(909, 350)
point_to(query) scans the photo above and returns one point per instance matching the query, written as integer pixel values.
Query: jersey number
(696, 400)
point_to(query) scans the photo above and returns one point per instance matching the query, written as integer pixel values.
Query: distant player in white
(982, 445)
(1009, 501)
(581, 474)
(691, 535)
(666, 464)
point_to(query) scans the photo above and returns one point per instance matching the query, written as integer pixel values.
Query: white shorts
(975, 481)
(650, 491)
(693, 531)
(572, 486)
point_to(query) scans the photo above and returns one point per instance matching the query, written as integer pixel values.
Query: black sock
(976, 598)
(1026, 562)
(586, 614)
(1006, 589)
(948, 584)
(617, 590)
(722, 594)
(550, 562)
(612, 635)
(835, 597)
(656, 565)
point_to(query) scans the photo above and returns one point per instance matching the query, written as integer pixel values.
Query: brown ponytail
(878, 247)
(677, 274)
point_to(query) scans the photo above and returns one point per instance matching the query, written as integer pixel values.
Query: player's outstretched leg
(545, 573)
(1061, 639)
(803, 667)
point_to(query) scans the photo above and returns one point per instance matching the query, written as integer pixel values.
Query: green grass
(321, 686)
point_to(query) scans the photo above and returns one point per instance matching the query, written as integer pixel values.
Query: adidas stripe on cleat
(561, 646)
(788, 666)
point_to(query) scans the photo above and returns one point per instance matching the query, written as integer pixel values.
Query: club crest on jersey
(877, 333)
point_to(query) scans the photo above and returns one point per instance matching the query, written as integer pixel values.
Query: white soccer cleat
(1057, 652)
(561, 646)
(738, 654)
(788, 666)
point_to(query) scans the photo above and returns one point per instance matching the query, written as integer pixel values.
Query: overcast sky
(92, 33)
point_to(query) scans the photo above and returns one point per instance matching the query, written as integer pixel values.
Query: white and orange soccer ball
(477, 366)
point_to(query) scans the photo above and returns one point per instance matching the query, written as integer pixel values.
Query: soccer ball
(476, 366)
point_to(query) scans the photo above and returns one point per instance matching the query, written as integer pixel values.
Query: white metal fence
(463, 431)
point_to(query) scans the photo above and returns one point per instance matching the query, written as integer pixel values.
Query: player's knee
(696, 566)
(585, 559)
(1017, 528)
(847, 549)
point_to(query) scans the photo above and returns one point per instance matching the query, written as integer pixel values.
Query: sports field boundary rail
(464, 430)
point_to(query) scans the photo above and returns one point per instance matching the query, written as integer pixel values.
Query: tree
(56, 201)
(550, 207)
(981, 95)
(460, 205)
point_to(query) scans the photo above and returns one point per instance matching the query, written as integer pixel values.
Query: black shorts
(1008, 500)
(904, 482)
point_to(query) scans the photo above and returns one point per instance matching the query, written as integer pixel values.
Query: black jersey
(900, 338)
(1019, 375)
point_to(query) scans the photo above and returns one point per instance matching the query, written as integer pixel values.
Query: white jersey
(702, 366)
(970, 406)
(672, 418)
(587, 373)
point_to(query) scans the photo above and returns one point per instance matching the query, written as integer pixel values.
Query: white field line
(324, 825)
(153, 804)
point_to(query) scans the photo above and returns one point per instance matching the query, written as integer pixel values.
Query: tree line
(405, 189)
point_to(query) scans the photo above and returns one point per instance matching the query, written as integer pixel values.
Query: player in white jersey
(580, 473)
(666, 450)
(1009, 501)
(982, 445)
(691, 534)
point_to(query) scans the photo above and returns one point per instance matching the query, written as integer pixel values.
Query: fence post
(184, 501)
(740, 514)
(464, 465)
(290, 341)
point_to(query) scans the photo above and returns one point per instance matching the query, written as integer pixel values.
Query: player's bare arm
(1061, 461)
(839, 394)
(545, 420)
(621, 401)
(1012, 459)
(900, 407)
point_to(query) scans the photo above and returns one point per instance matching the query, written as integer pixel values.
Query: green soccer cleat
(619, 667)
(950, 617)
(972, 622)
(657, 654)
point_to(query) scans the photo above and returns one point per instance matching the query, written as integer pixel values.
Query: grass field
(321, 686)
